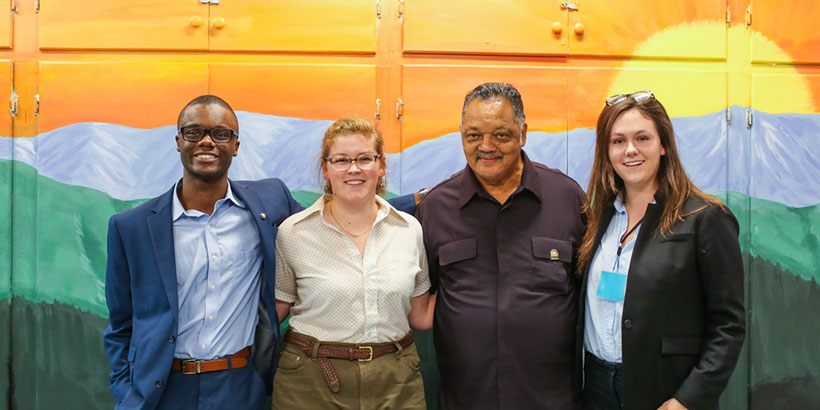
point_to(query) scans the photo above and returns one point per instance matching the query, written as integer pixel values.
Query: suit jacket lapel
(161, 228)
(649, 226)
(257, 208)
(266, 235)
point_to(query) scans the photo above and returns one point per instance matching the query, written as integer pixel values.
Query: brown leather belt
(322, 351)
(191, 366)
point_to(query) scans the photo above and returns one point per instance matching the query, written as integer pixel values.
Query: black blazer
(683, 319)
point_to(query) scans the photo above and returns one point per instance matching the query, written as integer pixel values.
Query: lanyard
(621, 243)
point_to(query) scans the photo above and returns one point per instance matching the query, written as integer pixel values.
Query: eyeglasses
(637, 96)
(343, 162)
(219, 135)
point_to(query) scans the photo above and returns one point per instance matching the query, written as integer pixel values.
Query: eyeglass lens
(196, 134)
(343, 163)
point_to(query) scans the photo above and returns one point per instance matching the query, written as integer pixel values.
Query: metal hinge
(749, 17)
(569, 6)
(728, 16)
(13, 108)
(401, 10)
(214, 1)
(36, 6)
(399, 108)
(37, 105)
(14, 6)
(728, 115)
(748, 118)
(378, 9)
(378, 109)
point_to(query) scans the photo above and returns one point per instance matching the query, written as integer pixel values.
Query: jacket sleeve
(117, 337)
(720, 267)
(405, 203)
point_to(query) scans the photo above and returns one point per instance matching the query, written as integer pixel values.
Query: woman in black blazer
(662, 315)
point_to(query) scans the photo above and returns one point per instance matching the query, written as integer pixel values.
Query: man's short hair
(489, 91)
(207, 100)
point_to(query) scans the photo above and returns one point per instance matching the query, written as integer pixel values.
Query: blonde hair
(352, 126)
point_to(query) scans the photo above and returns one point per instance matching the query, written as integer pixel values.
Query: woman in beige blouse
(352, 272)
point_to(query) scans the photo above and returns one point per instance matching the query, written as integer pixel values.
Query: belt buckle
(191, 361)
(370, 348)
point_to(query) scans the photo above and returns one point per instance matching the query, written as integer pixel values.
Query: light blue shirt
(218, 261)
(602, 318)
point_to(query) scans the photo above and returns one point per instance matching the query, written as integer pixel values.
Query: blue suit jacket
(141, 290)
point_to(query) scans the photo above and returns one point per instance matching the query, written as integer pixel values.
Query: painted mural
(99, 139)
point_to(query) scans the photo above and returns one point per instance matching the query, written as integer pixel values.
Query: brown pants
(392, 381)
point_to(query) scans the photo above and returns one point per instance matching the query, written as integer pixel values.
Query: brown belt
(191, 366)
(361, 352)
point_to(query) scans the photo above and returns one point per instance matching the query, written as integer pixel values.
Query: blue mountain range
(778, 159)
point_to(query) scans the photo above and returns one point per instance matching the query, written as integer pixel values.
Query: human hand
(672, 404)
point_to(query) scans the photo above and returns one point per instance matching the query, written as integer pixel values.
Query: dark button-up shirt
(506, 312)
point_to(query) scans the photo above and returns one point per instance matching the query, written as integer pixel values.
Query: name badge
(612, 286)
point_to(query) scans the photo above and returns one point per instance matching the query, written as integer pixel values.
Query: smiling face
(492, 141)
(354, 184)
(635, 151)
(206, 160)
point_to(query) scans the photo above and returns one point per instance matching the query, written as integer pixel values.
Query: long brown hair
(674, 186)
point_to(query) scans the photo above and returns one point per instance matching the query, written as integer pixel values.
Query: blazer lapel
(161, 228)
(649, 226)
(266, 233)
(257, 208)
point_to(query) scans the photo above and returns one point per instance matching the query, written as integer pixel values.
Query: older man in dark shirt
(501, 237)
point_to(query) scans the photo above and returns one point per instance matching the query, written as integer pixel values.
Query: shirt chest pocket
(455, 260)
(551, 262)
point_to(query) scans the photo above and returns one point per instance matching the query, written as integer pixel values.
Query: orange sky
(147, 90)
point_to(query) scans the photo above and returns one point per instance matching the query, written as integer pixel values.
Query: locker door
(123, 25)
(493, 27)
(143, 95)
(785, 31)
(784, 195)
(286, 25)
(6, 28)
(649, 28)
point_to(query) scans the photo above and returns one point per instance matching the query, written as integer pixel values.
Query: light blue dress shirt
(218, 261)
(602, 318)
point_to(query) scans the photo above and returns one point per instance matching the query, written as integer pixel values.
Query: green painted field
(52, 296)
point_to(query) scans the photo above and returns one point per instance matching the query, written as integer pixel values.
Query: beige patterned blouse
(340, 295)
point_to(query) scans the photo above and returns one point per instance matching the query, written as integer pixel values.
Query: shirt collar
(177, 210)
(471, 187)
(618, 203)
(318, 207)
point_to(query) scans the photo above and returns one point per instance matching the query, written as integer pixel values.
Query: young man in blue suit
(190, 279)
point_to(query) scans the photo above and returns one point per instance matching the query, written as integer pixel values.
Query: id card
(612, 286)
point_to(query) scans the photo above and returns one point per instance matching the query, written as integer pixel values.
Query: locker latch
(13, 108)
(569, 6)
